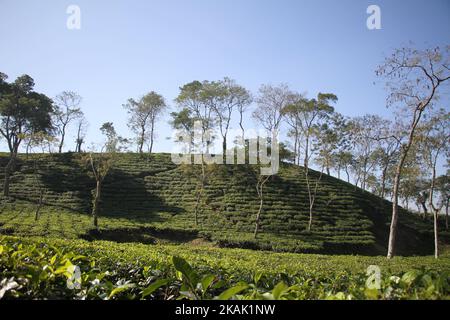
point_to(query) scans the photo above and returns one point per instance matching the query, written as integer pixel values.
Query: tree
(114, 142)
(311, 114)
(386, 151)
(101, 163)
(82, 125)
(143, 116)
(38, 140)
(269, 112)
(193, 98)
(365, 132)
(184, 122)
(331, 137)
(291, 114)
(443, 188)
(344, 160)
(66, 110)
(435, 135)
(23, 112)
(225, 97)
(271, 101)
(413, 78)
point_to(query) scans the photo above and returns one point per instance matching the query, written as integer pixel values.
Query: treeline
(396, 158)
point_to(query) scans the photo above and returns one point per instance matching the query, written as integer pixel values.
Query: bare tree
(67, 109)
(434, 136)
(271, 101)
(413, 78)
(82, 125)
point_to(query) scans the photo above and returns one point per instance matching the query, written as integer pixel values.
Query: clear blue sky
(127, 48)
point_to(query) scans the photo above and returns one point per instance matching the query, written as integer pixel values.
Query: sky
(125, 49)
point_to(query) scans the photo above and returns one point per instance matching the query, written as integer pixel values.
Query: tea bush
(61, 269)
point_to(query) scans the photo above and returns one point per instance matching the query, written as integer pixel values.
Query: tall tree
(312, 114)
(23, 112)
(365, 131)
(271, 101)
(413, 78)
(435, 137)
(143, 116)
(101, 163)
(226, 96)
(184, 122)
(67, 109)
(192, 97)
(82, 125)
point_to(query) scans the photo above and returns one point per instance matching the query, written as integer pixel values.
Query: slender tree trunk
(383, 182)
(259, 190)
(446, 213)
(395, 191)
(38, 209)
(151, 137)
(141, 139)
(436, 240)
(95, 207)
(224, 147)
(258, 217)
(8, 169)
(63, 134)
(242, 127)
(199, 193)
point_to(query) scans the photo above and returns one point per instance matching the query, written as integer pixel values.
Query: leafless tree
(413, 78)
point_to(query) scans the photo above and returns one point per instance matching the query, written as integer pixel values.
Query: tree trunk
(142, 139)
(38, 209)
(259, 190)
(436, 242)
(8, 168)
(61, 143)
(383, 182)
(224, 147)
(151, 138)
(446, 214)
(96, 204)
(242, 127)
(258, 217)
(398, 172)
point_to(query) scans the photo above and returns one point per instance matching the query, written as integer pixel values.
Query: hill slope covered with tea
(149, 199)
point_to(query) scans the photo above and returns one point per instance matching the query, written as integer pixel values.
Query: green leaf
(120, 289)
(409, 277)
(206, 281)
(278, 290)
(182, 266)
(227, 294)
(155, 285)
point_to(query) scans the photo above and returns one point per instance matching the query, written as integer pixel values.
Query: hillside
(149, 199)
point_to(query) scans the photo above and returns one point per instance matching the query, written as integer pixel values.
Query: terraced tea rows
(146, 192)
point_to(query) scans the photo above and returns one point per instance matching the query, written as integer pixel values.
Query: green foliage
(33, 269)
(151, 193)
